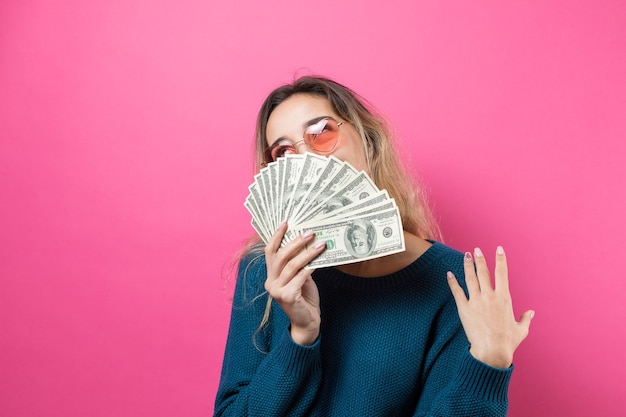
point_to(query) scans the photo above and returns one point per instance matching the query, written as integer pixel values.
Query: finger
(299, 260)
(473, 287)
(294, 247)
(502, 270)
(276, 260)
(293, 289)
(274, 242)
(482, 270)
(457, 292)
(526, 319)
(309, 251)
(287, 293)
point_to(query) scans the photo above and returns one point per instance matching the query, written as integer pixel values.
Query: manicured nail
(307, 235)
(478, 253)
(500, 250)
(450, 275)
(468, 257)
(319, 245)
(532, 314)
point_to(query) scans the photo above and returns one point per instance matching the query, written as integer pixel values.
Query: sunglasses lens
(323, 135)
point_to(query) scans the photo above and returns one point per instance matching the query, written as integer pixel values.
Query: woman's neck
(415, 247)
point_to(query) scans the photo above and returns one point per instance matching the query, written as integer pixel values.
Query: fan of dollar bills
(342, 206)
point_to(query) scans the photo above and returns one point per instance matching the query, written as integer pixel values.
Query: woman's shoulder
(442, 254)
(252, 258)
(444, 251)
(251, 268)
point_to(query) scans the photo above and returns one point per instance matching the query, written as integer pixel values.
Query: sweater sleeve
(264, 373)
(476, 390)
(455, 383)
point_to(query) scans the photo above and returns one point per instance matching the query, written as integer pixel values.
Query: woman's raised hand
(292, 286)
(487, 316)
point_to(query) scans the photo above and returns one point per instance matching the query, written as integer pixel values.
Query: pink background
(125, 153)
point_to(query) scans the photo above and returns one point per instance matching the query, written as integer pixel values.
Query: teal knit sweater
(388, 346)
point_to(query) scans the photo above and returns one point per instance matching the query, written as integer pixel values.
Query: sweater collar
(420, 267)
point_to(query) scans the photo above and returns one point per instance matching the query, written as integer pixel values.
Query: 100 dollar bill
(358, 239)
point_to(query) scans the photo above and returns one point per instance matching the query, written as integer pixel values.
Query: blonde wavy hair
(384, 164)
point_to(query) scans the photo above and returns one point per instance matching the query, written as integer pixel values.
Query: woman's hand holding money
(292, 286)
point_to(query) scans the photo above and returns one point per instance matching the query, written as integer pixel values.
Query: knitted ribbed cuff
(483, 380)
(298, 360)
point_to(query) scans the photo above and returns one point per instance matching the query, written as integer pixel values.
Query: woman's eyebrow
(316, 120)
(277, 141)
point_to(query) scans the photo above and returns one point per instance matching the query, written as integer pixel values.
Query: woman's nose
(301, 146)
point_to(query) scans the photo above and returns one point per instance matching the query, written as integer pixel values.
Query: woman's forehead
(293, 115)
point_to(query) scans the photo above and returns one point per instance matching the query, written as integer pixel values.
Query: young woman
(418, 333)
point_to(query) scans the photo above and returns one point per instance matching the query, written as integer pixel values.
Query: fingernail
(500, 250)
(532, 314)
(307, 235)
(450, 276)
(468, 257)
(319, 245)
(478, 253)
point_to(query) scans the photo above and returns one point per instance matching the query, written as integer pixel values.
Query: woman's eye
(317, 128)
(281, 150)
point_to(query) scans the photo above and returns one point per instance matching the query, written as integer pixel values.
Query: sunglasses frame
(267, 153)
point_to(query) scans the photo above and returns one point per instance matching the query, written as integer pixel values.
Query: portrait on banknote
(360, 238)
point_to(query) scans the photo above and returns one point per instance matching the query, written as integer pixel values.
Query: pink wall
(125, 131)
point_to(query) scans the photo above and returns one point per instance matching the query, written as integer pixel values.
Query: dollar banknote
(342, 206)
(358, 239)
